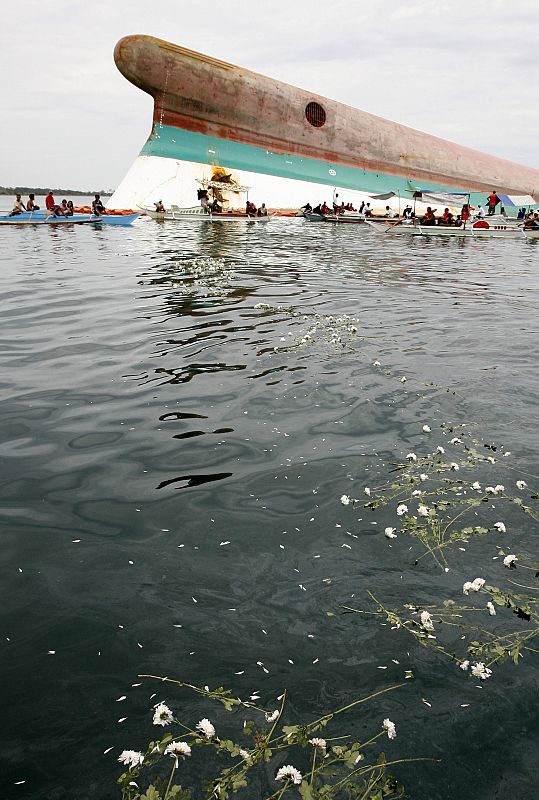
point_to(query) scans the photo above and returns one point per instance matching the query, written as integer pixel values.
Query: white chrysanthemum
(389, 728)
(206, 728)
(345, 500)
(177, 749)
(273, 716)
(491, 609)
(426, 621)
(390, 533)
(162, 715)
(479, 670)
(521, 484)
(500, 527)
(423, 477)
(402, 509)
(467, 587)
(476, 485)
(426, 429)
(464, 666)
(423, 511)
(376, 363)
(455, 440)
(411, 457)
(417, 493)
(367, 491)
(477, 584)
(131, 758)
(490, 490)
(509, 561)
(440, 449)
(321, 744)
(454, 466)
(499, 488)
(289, 773)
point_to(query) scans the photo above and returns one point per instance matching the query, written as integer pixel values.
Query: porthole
(315, 115)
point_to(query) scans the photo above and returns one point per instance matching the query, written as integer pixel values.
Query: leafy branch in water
(300, 759)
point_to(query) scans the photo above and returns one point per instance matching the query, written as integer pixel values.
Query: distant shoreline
(13, 190)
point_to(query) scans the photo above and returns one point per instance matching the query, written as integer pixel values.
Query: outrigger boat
(212, 196)
(496, 227)
(41, 218)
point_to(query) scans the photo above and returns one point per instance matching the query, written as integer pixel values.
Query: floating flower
(401, 509)
(476, 485)
(131, 758)
(479, 670)
(491, 609)
(367, 491)
(440, 449)
(376, 363)
(416, 493)
(390, 533)
(454, 466)
(491, 459)
(345, 500)
(206, 728)
(272, 717)
(389, 728)
(490, 490)
(177, 749)
(426, 429)
(423, 477)
(403, 379)
(321, 744)
(467, 587)
(162, 715)
(423, 511)
(477, 584)
(289, 773)
(464, 666)
(500, 526)
(521, 484)
(510, 561)
(499, 488)
(455, 440)
(411, 457)
(426, 621)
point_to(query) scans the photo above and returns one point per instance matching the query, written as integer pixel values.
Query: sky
(463, 71)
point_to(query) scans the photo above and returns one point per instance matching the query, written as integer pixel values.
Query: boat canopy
(223, 186)
(517, 199)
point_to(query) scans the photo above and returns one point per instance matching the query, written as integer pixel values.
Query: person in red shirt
(492, 201)
(49, 201)
(465, 213)
(429, 218)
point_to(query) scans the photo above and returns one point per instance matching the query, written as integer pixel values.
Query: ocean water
(173, 455)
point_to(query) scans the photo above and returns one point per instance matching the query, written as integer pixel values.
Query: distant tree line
(40, 191)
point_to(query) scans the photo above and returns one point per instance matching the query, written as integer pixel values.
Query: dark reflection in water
(126, 378)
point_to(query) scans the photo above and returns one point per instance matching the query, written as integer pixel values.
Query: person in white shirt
(367, 210)
(389, 212)
(480, 212)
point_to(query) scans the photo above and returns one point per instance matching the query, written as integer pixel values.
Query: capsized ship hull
(287, 144)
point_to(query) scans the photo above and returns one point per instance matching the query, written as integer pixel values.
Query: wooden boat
(495, 227)
(202, 215)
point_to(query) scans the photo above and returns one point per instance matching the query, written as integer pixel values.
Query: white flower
(177, 749)
(455, 440)
(272, 717)
(480, 671)
(426, 429)
(317, 742)
(500, 526)
(345, 500)
(477, 584)
(464, 666)
(454, 466)
(162, 715)
(390, 533)
(402, 509)
(403, 379)
(440, 449)
(476, 485)
(205, 727)
(491, 609)
(289, 773)
(521, 484)
(509, 561)
(416, 493)
(131, 758)
(376, 363)
(245, 755)
(359, 758)
(491, 459)
(423, 511)
(499, 488)
(389, 727)
(490, 490)
(423, 477)
(367, 491)
(411, 457)
(426, 621)
(467, 587)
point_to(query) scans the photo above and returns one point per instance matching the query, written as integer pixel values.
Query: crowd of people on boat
(53, 209)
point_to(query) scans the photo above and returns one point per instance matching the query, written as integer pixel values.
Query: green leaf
(151, 794)
(305, 791)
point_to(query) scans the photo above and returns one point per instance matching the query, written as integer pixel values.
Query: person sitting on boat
(69, 210)
(521, 213)
(351, 207)
(458, 221)
(408, 213)
(446, 218)
(160, 208)
(325, 209)
(492, 202)
(306, 207)
(18, 206)
(317, 209)
(429, 218)
(480, 213)
(31, 205)
(367, 210)
(64, 208)
(340, 209)
(532, 223)
(262, 211)
(50, 201)
(503, 212)
(250, 208)
(97, 206)
(215, 207)
(390, 214)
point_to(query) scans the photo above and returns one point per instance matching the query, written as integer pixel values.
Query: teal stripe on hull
(169, 142)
